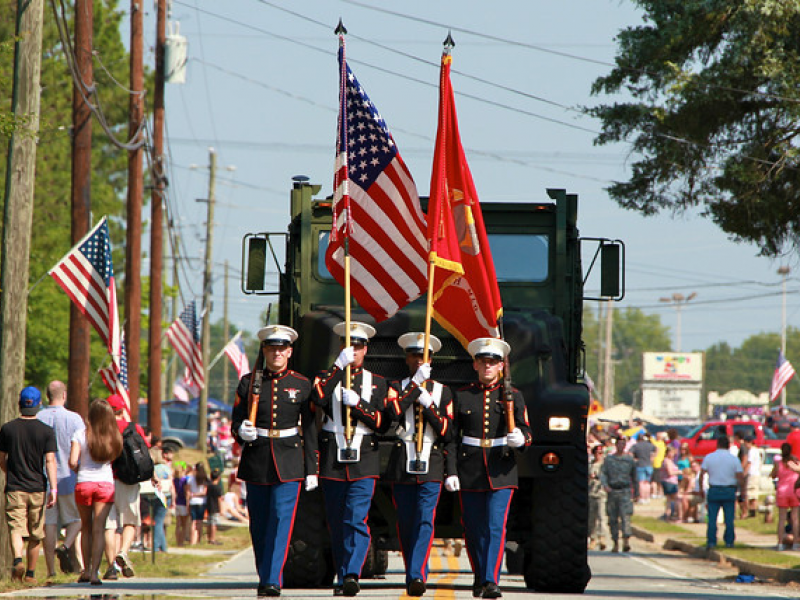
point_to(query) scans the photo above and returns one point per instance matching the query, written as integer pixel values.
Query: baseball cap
(30, 400)
(116, 402)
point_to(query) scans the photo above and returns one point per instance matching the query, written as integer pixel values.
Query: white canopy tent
(622, 413)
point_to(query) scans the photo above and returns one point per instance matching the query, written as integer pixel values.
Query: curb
(777, 574)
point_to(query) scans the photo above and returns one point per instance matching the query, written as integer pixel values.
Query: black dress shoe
(270, 589)
(416, 587)
(477, 587)
(350, 586)
(490, 590)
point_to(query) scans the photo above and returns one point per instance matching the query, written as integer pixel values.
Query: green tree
(713, 114)
(48, 308)
(634, 332)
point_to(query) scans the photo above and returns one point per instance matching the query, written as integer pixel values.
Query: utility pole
(173, 368)
(206, 337)
(79, 329)
(133, 246)
(607, 364)
(783, 272)
(156, 228)
(225, 338)
(18, 209)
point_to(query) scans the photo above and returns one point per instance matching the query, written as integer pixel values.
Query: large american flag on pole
(184, 337)
(235, 351)
(117, 383)
(86, 274)
(376, 210)
(784, 371)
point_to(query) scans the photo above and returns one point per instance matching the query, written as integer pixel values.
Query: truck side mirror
(609, 270)
(255, 268)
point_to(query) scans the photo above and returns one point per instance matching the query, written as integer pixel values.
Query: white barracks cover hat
(414, 341)
(487, 346)
(359, 332)
(277, 335)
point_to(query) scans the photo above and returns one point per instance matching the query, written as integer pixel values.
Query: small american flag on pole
(235, 351)
(784, 371)
(117, 383)
(86, 274)
(376, 210)
(183, 336)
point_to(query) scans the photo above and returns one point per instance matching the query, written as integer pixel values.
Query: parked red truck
(703, 439)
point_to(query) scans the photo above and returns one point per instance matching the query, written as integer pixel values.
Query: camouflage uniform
(597, 506)
(618, 474)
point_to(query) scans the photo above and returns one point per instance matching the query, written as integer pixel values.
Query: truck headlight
(559, 424)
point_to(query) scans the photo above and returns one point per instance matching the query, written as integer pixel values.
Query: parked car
(178, 426)
(702, 439)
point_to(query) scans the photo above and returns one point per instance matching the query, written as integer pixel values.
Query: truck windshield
(518, 257)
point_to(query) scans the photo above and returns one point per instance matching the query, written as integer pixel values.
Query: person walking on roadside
(486, 460)
(724, 473)
(786, 498)
(349, 469)
(597, 501)
(66, 424)
(275, 459)
(92, 450)
(752, 470)
(127, 512)
(643, 452)
(28, 458)
(618, 477)
(660, 444)
(669, 482)
(417, 478)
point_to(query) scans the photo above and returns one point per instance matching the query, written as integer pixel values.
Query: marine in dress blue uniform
(348, 469)
(417, 477)
(275, 459)
(487, 467)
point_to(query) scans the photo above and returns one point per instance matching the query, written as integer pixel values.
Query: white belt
(468, 440)
(329, 425)
(277, 433)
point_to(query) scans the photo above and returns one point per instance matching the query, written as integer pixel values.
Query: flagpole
(341, 31)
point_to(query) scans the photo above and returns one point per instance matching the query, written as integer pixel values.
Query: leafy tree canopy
(714, 115)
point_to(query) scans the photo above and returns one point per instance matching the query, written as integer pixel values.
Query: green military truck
(537, 256)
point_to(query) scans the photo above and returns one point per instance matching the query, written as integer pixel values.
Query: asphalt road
(647, 572)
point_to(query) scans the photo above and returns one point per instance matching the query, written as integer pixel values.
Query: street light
(783, 272)
(679, 301)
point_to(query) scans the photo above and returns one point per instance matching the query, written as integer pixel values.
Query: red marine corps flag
(377, 218)
(466, 299)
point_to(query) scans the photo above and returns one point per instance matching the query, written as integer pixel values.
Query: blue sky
(262, 89)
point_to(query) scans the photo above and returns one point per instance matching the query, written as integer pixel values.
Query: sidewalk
(694, 543)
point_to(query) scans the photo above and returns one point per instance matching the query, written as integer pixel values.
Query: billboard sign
(685, 367)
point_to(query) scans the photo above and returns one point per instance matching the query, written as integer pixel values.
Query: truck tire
(381, 562)
(307, 564)
(556, 558)
(368, 570)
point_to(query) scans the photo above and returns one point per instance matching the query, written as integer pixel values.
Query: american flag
(235, 351)
(376, 209)
(87, 276)
(117, 383)
(784, 371)
(183, 336)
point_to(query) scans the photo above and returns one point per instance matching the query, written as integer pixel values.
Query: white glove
(425, 399)
(247, 431)
(515, 439)
(423, 374)
(452, 484)
(312, 482)
(350, 397)
(346, 357)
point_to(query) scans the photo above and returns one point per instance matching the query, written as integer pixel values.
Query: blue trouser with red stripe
(347, 506)
(484, 515)
(416, 511)
(272, 510)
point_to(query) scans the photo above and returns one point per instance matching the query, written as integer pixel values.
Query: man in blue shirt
(725, 475)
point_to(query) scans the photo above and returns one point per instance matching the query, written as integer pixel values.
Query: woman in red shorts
(90, 455)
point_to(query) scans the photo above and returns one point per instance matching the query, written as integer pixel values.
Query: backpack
(134, 464)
